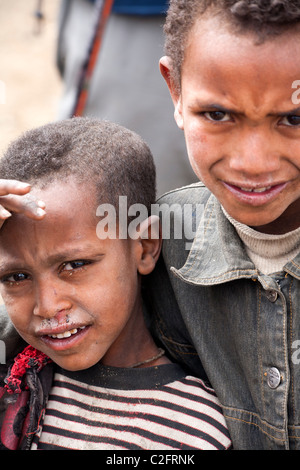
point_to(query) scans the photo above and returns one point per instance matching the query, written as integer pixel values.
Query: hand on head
(15, 197)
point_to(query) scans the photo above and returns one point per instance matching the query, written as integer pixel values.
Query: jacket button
(273, 377)
(272, 295)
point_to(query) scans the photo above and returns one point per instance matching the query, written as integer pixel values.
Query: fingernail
(5, 214)
(40, 211)
(23, 185)
(41, 204)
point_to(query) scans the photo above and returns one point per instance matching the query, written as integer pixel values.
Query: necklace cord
(147, 361)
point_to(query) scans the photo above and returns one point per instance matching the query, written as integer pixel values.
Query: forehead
(69, 229)
(217, 35)
(70, 213)
(61, 193)
(219, 59)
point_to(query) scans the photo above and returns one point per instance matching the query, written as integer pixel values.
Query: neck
(269, 253)
(136, 347)
(287, 222)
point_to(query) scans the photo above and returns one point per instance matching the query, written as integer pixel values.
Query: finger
(4, 215)
(24, 205)
(13, 187)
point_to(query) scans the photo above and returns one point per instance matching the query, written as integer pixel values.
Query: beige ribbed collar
(269, 253)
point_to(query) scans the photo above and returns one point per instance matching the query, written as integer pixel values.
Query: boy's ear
(149, 243)
(165, 66)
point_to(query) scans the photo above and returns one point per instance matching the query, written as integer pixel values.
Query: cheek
(19, 309)
(114, 296)
(22, 323)
(200, 152)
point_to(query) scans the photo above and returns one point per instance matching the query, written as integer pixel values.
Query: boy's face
(58, 279)
(241, 126)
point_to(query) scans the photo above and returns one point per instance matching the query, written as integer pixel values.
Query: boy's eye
(71, 265)
(217, 116)
(15, 278)
(291, 120)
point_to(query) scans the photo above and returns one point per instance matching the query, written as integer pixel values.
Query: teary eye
(15, 278)
(72, 265)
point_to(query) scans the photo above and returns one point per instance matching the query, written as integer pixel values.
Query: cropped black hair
(265, 18)
(106, 156)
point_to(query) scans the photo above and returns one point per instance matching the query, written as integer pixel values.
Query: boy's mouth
(67, 333)
(256, 190)
(255, 195)
(61, 338)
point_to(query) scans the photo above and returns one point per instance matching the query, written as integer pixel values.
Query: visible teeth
(67, 334)
(72, 331)
(257, 190)
(62, 335)
(261, 190)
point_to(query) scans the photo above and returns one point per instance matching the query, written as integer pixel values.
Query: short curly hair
(265, 18)
(101, 154)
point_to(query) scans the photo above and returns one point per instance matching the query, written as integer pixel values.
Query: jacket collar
(217, 253)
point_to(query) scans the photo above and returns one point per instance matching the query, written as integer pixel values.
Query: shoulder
(202, 410)
(180, 212)
(193, 193)
(197, 387)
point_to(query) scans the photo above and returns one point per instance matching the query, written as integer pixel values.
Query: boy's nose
(51, 301)
(256, 155)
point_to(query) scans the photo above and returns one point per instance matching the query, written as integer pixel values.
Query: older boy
(91, 376)
(232, 67)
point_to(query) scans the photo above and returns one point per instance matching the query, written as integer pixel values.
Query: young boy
(232, 68)
(91, 376)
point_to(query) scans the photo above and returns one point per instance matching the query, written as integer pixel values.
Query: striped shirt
(109, 408)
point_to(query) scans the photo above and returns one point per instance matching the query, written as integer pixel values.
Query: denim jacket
(213, 304)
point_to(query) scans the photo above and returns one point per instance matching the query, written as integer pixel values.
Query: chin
(252, 220)
(71, 367)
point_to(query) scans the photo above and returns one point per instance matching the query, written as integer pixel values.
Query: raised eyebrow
(77, 254)
(63, 256)
(11, 267)
(15, 266)
(217, 107)
(292, 112)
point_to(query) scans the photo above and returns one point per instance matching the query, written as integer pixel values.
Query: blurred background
(126, 86)
(30, 85)
(41, 63)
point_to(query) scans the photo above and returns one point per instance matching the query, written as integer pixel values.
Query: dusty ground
(30, 85)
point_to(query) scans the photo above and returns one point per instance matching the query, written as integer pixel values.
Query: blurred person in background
(125, 85)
